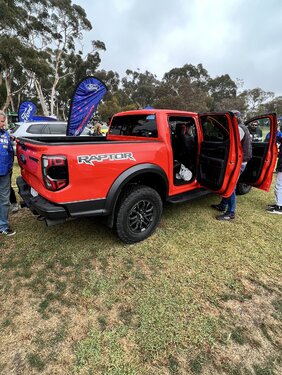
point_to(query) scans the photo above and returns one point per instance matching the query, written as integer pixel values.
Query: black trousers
(13, 198)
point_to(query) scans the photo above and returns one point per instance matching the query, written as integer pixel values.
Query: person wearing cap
(228, 205)
(255, 131)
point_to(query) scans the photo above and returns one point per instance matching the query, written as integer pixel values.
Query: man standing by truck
(6, 165)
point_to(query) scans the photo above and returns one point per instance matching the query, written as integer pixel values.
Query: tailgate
(29, 159)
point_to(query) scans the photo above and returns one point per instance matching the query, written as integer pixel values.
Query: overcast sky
(242, 38)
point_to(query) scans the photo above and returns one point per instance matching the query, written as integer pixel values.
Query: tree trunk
(41, 97)
(8, 91)
(53, 94)
(63, 112)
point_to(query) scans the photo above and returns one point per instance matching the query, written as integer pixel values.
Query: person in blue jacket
(6, 165)
(278, 133)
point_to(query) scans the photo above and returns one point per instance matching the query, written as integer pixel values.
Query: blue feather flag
(85, 100)
(27, 111)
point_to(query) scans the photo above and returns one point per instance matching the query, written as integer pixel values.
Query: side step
(187, 196)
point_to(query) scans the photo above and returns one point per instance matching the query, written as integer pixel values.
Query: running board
(189, 195)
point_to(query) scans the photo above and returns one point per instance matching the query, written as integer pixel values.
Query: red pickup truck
(127, 176)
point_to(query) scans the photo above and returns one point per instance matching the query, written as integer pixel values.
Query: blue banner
(85, 100)
(26, 111)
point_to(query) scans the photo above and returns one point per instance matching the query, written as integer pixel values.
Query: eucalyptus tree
(77, 67)
(111, 79)
(256, 99)
(15, 52)
(112, 105)
(43, 37)
(222, 88)
(57, 26)
(184, 88)
(197, 75)
(274, 105)
(117, 99)
(140, 88)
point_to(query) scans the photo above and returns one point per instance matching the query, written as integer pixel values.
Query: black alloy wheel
(141, 216)
(138, 213)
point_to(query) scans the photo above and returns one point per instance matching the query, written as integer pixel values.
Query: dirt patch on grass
(38, 331)
(30, 343)
(254, 338)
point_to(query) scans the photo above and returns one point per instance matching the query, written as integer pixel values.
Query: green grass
(192, 299)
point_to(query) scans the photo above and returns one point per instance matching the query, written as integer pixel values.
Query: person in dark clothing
(255, 131)
(277, 207)
(13, 201)
(230, 202)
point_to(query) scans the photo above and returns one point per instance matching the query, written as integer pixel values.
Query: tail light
(55, 172)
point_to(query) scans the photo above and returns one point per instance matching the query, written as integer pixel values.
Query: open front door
(259, 170)
(220, 153)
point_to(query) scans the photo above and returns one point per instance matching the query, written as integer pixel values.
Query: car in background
(104, 129)
(41, 128)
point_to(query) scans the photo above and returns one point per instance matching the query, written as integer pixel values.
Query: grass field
(198, 297)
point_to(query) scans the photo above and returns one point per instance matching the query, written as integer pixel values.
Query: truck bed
(67, 140)
(63, 140)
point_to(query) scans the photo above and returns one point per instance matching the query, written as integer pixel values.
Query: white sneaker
(275, 210)
(8, 232)
(14, 208)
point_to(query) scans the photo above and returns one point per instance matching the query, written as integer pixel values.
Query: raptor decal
(90, 159)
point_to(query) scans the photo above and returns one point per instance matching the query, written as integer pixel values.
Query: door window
(215, 128)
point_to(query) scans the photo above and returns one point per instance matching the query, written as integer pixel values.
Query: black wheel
(242, 188)
(138, 213)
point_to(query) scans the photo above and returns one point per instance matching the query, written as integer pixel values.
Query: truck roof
(153, 111)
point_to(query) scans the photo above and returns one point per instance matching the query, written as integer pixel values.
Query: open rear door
(220, 153)
(259, 170)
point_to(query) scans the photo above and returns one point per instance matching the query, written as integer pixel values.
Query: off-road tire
(138, 213)
(242, 188)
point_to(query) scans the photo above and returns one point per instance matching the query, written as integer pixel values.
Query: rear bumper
(40, 206)
(55, 213)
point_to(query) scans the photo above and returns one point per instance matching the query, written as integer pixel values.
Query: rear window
(135, 125)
